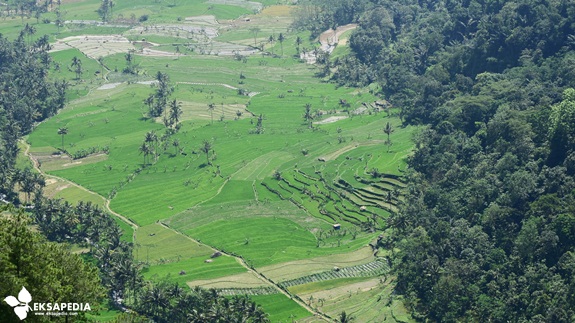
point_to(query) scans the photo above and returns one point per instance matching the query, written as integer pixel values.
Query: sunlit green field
(232, 198)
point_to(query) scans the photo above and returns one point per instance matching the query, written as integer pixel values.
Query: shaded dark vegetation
(488, 233)
(39, 259)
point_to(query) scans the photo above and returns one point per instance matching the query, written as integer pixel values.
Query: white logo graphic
(20, 304)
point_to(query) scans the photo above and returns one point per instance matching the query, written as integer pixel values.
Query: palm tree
(281, 39)
(345, 318)
(308, 115)
(298, 42)
(388, 130)
(63, 131)
(77, 65)
(211, 108)
(101, 62)
(145, 149)
(255, 31)
(175, 111)
(149, 101)
(152, 137)
(271, 41)
(176, 144)
(206, 147)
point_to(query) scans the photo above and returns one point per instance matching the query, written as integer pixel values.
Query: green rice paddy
(269, 198)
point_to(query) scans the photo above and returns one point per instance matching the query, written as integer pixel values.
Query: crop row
(372, 269)
(247, 291)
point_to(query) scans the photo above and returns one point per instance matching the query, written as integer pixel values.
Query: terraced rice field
(267, 197)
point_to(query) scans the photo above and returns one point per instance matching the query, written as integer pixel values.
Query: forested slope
(489, 230)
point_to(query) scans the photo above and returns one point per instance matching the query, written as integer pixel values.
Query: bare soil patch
(299, 268)
(243, 280)
(95, 46)
(109, 86)
(328, 40)
(344, 291)
(330, 120)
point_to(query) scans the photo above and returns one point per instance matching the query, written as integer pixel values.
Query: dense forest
(35, 237)
(488, 233)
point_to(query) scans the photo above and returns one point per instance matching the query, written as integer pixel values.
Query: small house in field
(337, 226)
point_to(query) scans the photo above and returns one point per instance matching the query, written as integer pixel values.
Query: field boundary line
(258, 274)
(106, 201)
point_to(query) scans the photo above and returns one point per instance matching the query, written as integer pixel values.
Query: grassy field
(280, 308)
(269, 195)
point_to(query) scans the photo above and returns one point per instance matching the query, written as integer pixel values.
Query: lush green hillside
(488, 233)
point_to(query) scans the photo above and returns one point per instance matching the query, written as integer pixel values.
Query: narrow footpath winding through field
(106, 201)
(259, 275)
(135, 227)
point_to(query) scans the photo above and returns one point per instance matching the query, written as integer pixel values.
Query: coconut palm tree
(145, 149)
(281, 39)
(63, 131)
(255, 31)
(345, 318)
(211, 108)
(298, 42)
(388, 130)
(206, 148)
(308, 115)
(176, 144)
(271, 40)
(77, 66)
(175, 112)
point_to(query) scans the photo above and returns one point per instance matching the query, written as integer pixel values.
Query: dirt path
(263, 278)
(240, 260)
(328, 40)
(106, 201)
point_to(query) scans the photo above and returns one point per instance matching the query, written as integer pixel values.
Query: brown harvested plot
(95, 46)
(334, 293)
(250, 5)
(243, 280)
(299, 268)
(328, 40)
(157, 53)
(345, 149)
(208, 20)
(331, 120)
(277, 11)
(49, 162)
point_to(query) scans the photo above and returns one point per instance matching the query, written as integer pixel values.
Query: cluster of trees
(39, 258)
(27, 96)
(47, 270)
(26, 8)
(488, 233)
(89, 225)
(158, 102)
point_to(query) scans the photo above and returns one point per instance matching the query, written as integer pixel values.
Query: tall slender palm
(77, 65)
(206, 147)
(298, 42)
(211, 108)
(175, 112)
(308, 115)
(63, 131)
(345, 318)
(176, 144)
(271, 40)
(255, 31)
(145, 149)
(281, 39)
(388, 130)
